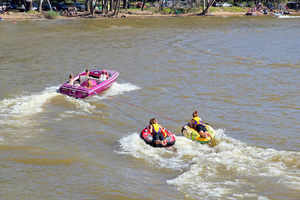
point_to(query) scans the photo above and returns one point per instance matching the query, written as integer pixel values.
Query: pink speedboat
(79, 90)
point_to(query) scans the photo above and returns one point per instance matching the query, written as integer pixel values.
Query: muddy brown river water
(241, 73)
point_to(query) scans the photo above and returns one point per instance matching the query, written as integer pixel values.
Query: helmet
(103, 71)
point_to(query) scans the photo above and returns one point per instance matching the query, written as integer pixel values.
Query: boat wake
(88, 105)
(116, 89)
(228, 162)
(27, 105)
(16, 114)
(172, 157)
(33, 104)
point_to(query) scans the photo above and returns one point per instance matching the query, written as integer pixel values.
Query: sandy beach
(21, 16)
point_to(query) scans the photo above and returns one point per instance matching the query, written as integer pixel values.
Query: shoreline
(14, 16)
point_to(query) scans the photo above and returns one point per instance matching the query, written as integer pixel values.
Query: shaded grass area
(52, 15)
(228, 9)
(188, 10)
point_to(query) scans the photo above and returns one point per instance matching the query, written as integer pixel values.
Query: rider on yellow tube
(196, 124)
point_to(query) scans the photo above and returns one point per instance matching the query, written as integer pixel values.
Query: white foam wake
(117, 89)
(86, 105)
(218, 171)
(15, 114)
(27, 105)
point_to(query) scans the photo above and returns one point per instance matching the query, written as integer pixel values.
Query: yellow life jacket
(197, 120)
(157, 129)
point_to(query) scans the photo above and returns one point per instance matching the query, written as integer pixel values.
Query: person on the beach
(197, 124)
(157, 132)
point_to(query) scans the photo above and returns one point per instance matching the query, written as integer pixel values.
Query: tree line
(111, 8)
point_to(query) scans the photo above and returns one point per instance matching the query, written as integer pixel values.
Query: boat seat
(85, 78)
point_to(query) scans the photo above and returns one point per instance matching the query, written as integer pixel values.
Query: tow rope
(124, 112)
(146, 110)
(120, 110)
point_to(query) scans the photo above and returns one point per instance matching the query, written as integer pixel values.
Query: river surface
(241, 73)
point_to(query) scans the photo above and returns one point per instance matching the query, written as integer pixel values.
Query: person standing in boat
(87, 72)
(83, 78)
(197, 124)
(157, 132)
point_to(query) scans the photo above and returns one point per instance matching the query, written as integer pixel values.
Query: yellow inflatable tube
(194, 135)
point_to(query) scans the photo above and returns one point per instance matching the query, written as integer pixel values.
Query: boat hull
(81, 92)
(287, 17)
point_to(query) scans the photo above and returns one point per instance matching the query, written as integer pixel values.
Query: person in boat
(104, 76)
(197, 124)
(157, 132)
(89, 84)
(71, 79)
(87, 72)
(83, 78)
